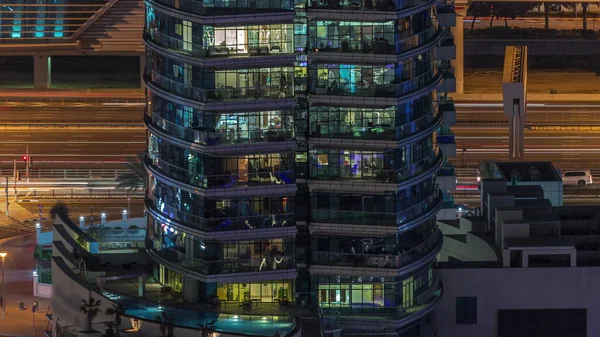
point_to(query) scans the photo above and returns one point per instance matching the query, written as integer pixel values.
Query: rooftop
(529, 171)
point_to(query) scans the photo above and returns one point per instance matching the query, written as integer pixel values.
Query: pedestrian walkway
(19, 221)
(19, 264)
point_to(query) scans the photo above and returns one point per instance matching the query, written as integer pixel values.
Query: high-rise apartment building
(292, 155)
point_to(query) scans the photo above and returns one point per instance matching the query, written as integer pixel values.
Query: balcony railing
(365, 5)
(267, 262)
(197, 50)
(226, 137)
(335, 171)
(220, 94)
(374, 132)
(374, 46)
(391, 261)
(240, 179)
(206, 7)
(411, 208)
(376, 90)
(221, 224)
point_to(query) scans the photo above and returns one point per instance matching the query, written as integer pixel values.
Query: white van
(579, 178)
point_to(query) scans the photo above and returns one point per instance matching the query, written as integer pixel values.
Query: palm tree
(116, 310)
(59, 209)
(136, 178)
(91, 308)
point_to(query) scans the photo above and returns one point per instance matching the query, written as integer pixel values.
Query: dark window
(466, 310)
(574, 174)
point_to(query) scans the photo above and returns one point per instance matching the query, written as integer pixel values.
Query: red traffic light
(25, 158)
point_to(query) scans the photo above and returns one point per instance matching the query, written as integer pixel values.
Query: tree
(136, 179)
(546, 6)
(59, 209)
(584, 8)
(478, 9)
(511, 10)
(116, 310)
(91, 308)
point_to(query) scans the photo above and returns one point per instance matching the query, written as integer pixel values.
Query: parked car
(579, 178)
(465, 210)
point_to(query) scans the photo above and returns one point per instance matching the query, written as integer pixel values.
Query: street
(91, 113)
(60, 144)
(534, 22)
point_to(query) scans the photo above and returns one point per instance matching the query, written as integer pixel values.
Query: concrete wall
(536, 47)
(516, 288)
(41, 289)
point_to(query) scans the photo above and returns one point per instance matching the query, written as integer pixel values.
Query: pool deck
(129, 288)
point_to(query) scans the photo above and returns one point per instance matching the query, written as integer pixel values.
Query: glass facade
(271, 150)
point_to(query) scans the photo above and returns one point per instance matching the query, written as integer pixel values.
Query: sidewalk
(19, 286)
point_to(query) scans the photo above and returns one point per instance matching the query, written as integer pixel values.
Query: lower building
(524, 268)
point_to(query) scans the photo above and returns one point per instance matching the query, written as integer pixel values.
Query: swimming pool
(227, 323)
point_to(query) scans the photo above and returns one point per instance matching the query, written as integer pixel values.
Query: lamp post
(3, 255)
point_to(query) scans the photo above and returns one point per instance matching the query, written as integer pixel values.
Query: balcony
(338, 171)
(413, 309)
(194, 53)
(446, 142)
(446, 178)
(216, 7)
(374, 89)
(281, 262)
(221, 228)
(449, 81)
(380, 135)
(374, 50)
(366, 5)
(410, 258)
(411, 208)
(224, 140)
(221, 94)
(223, 182)
(446, 50)
(449, 111)
(446, 15)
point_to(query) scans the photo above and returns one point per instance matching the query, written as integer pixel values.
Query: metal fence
(78, 193)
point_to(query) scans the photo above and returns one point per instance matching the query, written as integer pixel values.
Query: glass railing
(262, 176)
(375, 90)
(412, 208)
(265, 262)
(335, 171)
(196, 50)
(374, 131)
(374, 46)
(392, 261)
(226, 137)
(221, 94)
(225, 6)
(261, 221)
(367, 5)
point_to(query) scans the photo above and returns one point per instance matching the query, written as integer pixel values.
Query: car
(465, 210)
(579, 178)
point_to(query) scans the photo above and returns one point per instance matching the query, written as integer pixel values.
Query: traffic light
(27, 160)
(18, 175)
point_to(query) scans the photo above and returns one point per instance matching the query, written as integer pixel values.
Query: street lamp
(3, 255)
